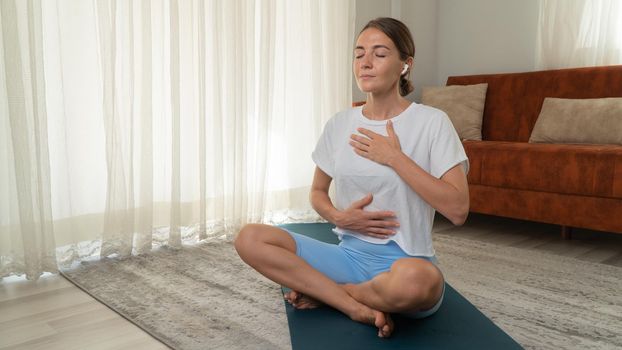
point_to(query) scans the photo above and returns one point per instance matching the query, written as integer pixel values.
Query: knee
(248, 237)
(420, 284)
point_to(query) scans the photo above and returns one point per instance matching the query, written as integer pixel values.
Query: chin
(366, 88)
(371, 88)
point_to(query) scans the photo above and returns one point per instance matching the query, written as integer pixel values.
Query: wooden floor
(51, 313)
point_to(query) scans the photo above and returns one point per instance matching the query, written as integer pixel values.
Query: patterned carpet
(543, 301)
(191, 297)
(206, 295)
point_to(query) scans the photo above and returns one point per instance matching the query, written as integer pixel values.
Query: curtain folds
(27, 243)
(579, 33)
(160, 122)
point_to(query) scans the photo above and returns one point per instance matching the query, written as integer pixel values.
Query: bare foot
(384, 323)
(363, 314)
(301, 301)
(381, 320)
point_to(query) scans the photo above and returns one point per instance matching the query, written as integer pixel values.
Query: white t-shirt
(426, 135)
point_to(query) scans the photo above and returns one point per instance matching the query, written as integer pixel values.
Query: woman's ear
(408, 64)
(410, 61)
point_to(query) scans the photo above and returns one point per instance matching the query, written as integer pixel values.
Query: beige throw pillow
(464, 104)
(592, 120)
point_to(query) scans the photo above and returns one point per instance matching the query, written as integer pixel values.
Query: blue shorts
(354, 260)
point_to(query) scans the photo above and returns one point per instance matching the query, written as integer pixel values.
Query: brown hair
(399, 33)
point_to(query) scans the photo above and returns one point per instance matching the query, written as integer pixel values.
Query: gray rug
(543, 301)
(201, 297)
(206, 297)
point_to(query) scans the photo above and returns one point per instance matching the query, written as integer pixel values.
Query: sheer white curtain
(579, 33)
(131, 124)
(27, 243)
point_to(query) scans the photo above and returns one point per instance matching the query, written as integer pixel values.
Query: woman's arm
(449, 195)
(377, 224)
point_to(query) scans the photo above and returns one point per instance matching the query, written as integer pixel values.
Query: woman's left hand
(381, 149)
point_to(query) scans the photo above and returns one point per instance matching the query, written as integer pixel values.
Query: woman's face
(377, 65)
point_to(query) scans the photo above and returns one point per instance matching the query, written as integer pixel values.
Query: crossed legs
(411, 284)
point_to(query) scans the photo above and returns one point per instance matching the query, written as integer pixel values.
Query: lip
(366, 76)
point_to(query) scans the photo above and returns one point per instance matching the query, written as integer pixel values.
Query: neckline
(368, 121)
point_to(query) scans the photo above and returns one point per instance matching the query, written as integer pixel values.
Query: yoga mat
(458, 324)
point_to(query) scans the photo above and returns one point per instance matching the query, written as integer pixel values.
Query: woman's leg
(411, 285)
(272, 252)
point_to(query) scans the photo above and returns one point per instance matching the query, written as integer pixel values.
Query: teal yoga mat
(458, 324)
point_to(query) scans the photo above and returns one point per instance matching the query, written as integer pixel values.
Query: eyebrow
(373, 47)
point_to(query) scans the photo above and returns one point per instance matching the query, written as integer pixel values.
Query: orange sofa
(571, 185)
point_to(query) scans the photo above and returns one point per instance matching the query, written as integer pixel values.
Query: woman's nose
(365, 62)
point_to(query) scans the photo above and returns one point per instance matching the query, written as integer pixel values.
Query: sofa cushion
(589, 170)
(514, 100)
(594, 120)
(464, 104)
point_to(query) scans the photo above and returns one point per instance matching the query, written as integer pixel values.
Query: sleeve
(323, 154)
(446, 150)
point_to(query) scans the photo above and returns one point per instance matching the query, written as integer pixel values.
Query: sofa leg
(566, 232)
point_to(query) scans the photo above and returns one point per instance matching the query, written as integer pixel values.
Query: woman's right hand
(378, 224)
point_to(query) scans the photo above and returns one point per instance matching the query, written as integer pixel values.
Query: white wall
(486, 36)
(421, 17)
(458, 37)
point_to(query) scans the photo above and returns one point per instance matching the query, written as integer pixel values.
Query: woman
(394, 163)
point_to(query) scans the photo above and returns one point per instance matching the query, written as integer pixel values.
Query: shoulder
(343, 117)
(348, 113)
(428, 118)
(430, 113)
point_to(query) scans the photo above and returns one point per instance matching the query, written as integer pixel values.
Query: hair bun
(406, 86)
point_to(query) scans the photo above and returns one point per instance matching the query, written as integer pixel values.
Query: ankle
(361, 313)
(350, 288)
